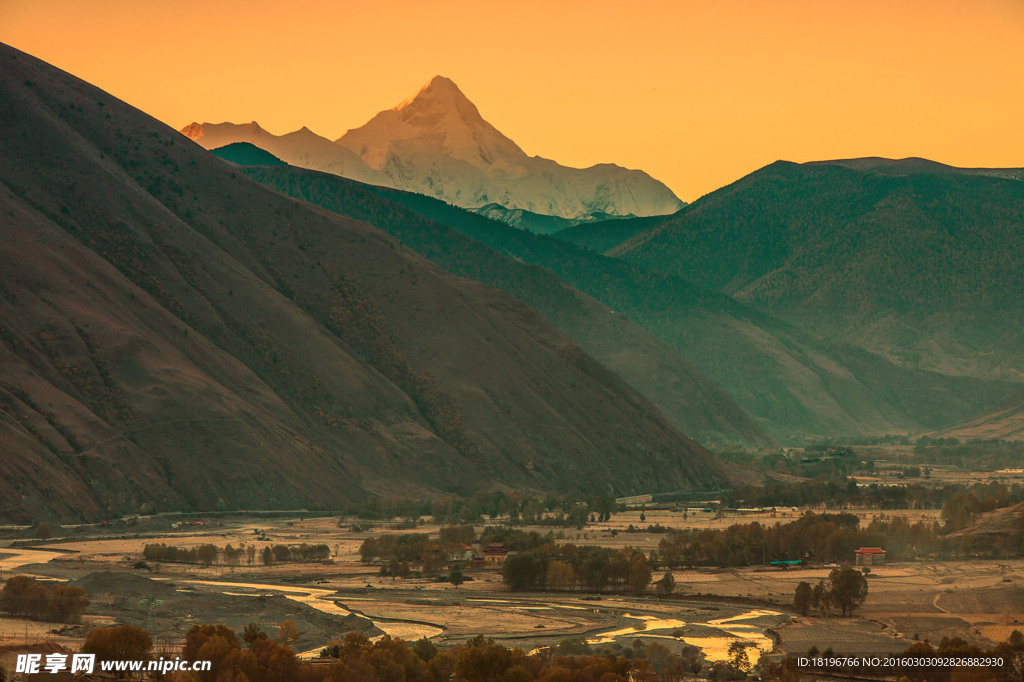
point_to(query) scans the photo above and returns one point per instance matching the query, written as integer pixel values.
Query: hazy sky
(697, 93)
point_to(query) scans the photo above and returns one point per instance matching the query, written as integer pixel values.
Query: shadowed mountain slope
(603, 235)
(173, 335)
(687, 398)
(247, 154)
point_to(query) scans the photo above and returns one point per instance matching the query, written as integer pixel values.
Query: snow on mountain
(302, 148)
(437, 143)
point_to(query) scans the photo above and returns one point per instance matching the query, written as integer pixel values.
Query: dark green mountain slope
(246, 154)
(690, 400)
(909, 259)
(795, 386)
(606, 234)
(174, 335)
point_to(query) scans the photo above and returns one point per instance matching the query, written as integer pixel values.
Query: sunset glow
(695, 93)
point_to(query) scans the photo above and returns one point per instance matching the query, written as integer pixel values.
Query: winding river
(12, 559)
(715, 648)
(323, 600)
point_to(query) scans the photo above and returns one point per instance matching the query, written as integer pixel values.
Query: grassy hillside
(909, 259)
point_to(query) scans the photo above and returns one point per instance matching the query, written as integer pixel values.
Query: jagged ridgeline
(175, 336)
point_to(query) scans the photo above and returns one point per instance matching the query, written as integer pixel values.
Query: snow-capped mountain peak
(437, 143)
(439, 119)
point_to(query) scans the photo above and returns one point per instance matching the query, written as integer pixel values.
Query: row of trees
(977, 498)
(404, 548)
(825, 538)
(418, 548)
(28, 598)
(844, 591)
(516, 507)
(569, 566)
(258, 658)
(209, 554)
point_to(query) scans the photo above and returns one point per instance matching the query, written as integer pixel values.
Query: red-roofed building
(459, 553)
(494, 554)
(870, 556)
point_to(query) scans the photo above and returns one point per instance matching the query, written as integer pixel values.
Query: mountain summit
(438, 120)
(437, 143)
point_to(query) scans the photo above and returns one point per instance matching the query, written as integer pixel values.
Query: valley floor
(978, 600)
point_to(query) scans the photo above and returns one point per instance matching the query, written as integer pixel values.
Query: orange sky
(697, 93)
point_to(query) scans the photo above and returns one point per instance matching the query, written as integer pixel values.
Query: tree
(450, 535)
(738, 658)
(24, 596)
(122, 642)
(456, 578)
(821, 598)
(522, 571)
(483, 659)
(849, 589)
(802, 598)
(639, 573)
(268, 556)
(596, 570)
(282, 553)
(425, 649)
(232, 555)
(214, 643)
(67, 603)
(43, 531)
(252, 632)
(287, 632)
(207, 554)
(667, 583)
(560, 575)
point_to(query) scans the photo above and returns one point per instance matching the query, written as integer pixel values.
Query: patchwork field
(977, 600)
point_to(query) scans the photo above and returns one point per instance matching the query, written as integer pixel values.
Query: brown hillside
(1004, 423)
(175, 336)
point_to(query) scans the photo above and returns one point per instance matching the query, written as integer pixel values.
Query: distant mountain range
(175, 336)
(437, 144)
